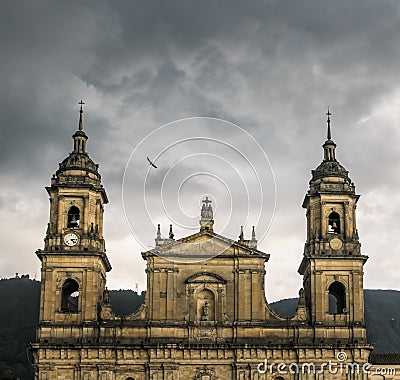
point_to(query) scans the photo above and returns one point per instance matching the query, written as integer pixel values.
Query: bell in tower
(73, 217)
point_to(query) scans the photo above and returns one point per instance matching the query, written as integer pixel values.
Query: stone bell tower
(332, 265)
(74, 262)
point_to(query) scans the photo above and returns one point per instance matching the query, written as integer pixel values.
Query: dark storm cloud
(272, 67)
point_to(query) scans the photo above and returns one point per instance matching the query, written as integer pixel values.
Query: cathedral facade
(205, 315)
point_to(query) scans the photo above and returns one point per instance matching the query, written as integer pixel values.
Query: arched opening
(73, 217)
(337, 298)
(205, 305)
(129, 378)
(70, 296)
(334, 223)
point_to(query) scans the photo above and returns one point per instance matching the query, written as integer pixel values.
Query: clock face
(71, 239)
(336, 244)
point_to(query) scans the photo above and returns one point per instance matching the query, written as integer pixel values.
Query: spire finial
(171, 234)
(80, 116)
(80, 136)
(329, 146)
(241, 236)
(253, 241)
(158, 232)
(253, 233)
(329, 136)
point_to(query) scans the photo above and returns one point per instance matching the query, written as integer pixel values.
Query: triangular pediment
(204, 245)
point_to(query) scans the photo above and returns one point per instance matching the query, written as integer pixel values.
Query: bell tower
(74, 261)
(332, 265)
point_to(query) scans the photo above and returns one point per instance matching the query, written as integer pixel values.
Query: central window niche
(205, 295)
(205, 305)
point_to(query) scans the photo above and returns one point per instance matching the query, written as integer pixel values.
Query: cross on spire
(206, 201)
(81, 104)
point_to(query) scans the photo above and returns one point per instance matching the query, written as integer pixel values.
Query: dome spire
(329, 146)
(329, 167)
(79, 136)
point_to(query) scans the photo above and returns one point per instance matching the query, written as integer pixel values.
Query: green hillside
(19, 312)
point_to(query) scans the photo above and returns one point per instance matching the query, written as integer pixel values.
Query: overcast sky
(269, 67)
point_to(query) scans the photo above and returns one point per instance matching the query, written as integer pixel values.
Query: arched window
(334, 223)
(337, 298)
(73, 217)
(70, 296)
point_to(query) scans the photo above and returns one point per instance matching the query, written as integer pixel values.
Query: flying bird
(154, 166)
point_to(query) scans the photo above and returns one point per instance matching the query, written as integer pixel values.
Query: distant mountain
(382, 314)
(286, 307)
(19, 312)
(125, 302)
